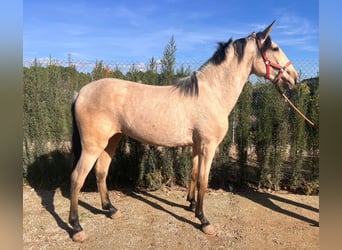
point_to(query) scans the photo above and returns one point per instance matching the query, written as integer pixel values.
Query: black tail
(76, 146)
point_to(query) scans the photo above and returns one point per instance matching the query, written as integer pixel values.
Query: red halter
(270, 64)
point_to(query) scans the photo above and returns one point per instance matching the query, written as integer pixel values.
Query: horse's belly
(169, 135)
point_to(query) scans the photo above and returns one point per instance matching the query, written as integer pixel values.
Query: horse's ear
(263, 35)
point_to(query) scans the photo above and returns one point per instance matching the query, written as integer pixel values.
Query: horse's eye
(275, 49)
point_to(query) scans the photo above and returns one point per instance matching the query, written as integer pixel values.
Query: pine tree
(271, 135)
(99, 70)
(244, 110)
(168, 62)
(151, 75)
(313, 132)
(263, 134)
(279, 138)
(182, 71)
(300, 97)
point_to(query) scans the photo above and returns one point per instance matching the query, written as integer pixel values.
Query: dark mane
(220, 54)
(239, 46)
(187, 85)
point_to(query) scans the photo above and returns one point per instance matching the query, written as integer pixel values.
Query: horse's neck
(227, 80)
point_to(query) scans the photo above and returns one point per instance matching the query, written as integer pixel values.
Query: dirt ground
(246, 219)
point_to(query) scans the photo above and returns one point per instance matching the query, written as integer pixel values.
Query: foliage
(298, 136)
(243, 128)
(313, 132)
(47, 96)
(271, 134)
(168, 63)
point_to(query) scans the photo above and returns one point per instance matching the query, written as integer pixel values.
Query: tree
(263, 134)
(243, 129)
(300, 96)
(99, 70)
(117, 73)
(271, 134)
(151, 75)
(313, 132)
(46, 111)
(168, 62)
(182, 71)
(279, 138)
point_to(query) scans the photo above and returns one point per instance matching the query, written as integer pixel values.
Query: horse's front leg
(193, 181)
(206, 156)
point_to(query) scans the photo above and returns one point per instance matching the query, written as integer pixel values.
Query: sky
(135, 31)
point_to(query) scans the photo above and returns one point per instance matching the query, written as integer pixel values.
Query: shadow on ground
(140, 196)
(51, 173)
(266, 199)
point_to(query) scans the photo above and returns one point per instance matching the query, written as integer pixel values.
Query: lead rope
(294, 107)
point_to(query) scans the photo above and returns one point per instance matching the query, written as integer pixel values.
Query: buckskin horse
(191, 112)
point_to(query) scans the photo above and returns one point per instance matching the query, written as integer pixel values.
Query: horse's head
(271, 62)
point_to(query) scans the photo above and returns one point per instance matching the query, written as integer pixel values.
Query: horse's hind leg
(78, 176)
(101, 170)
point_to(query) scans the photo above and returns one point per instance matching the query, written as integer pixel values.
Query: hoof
(208, 229)
(192, 207)
(116, 215)
(79, 237)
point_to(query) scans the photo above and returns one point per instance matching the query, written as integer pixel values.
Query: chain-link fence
(306, 68)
